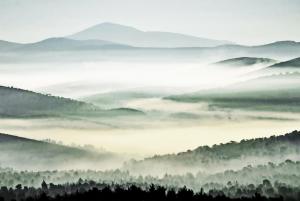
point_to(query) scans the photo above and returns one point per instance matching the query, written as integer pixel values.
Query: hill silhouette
(293, 63)
(134, 37)
(221, 157)
(267, 93)
(23, 103)
(245, 61)
(23, 153)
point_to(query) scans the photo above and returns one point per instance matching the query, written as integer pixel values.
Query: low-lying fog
(82, 79)
(166, 127)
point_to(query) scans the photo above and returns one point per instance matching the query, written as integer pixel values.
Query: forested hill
(294, 63)
(245, 61)
(4, 138)
(223, 156)
(23, 153)
(274, 145)
(23, 103)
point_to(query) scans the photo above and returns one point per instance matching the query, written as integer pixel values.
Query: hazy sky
(242, 21)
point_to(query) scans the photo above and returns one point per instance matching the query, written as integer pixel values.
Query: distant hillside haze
(245, 61)
(134, 37)
(22, 103)
(293, 63)
(24, 153)
(65, 44)
(19, 103)
(70, 50)
(268, 93)
(7, 46)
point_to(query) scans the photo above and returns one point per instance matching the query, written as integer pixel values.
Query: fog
(86, 78)
(168, 126)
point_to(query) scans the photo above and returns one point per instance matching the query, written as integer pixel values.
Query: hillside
(23, 153)
(269, 93)
(65, 44)
(22, 103)
(217, 158)
(293, 63)
(134, 37)
(280, 50)
(245, 61)
(7, 46)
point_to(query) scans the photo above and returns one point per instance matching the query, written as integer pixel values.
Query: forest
(83, 190)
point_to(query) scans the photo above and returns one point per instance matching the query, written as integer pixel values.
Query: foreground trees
(95, 191)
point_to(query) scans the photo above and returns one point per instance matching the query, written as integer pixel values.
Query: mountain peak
(109, 26)
(131, 36)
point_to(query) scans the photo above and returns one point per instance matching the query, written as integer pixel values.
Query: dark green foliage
(129, 192)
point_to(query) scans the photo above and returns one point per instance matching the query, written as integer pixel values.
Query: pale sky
(241, 21)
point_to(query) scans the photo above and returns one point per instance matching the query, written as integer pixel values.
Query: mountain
(245, 61)
(134, 37)
(23, 153)
(65, 44)
(293, 63)
(22, 103)
(7, 46)
(67, 50)
(269, 93)
(217, 158)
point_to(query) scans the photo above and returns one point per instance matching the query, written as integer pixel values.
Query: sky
(242, 21)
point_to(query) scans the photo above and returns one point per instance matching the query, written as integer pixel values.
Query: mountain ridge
(244, 61)
(293, 63)
(134, 37)
(219, 157)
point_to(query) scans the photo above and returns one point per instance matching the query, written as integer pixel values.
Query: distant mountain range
(60, 44)
(69, 50)
(245, 61)
(8, 46)
(65, 44)
(108, 41)
(23, 153)
(134, 37)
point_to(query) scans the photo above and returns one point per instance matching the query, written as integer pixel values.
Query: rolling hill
(269, 93)
(23, 153)
(19, 103)
(221, 157)
(293, 63)
(7, 46)
(22, 103)
(245, 61)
